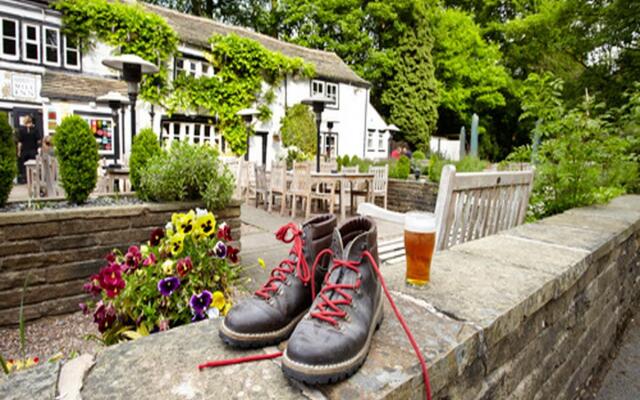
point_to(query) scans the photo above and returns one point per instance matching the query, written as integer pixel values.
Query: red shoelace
(287, 266)
(329, 310)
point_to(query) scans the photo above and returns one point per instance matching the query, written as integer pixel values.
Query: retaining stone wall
(59, 249)
(530, 313)
(407, 195)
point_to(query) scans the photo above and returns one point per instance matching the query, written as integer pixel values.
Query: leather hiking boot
(272, 313)
(333, 339)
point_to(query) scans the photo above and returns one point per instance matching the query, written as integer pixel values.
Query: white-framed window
(51, 53)
(10, 39)
(381, 145)
(317, 88)
(195, 68)
(71, 53)
(329, 145)
(31, 43)
(370, 140)
(332, 93)
(326, 89)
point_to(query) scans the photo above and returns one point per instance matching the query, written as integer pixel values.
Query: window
(327, 89)
(370, 141)
(195, 68)
(71, 53)
(9, 48)
(102, 129)
(332, 93)
(329, 145)
(31, 43)
(381, 141)
(51, 46)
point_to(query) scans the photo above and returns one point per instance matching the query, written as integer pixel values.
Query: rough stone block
(68, 242)
(34, 311)
(14, 279)
(35, 294)
(34, 383)
(30, 231)
(8, 248)
(65, 272)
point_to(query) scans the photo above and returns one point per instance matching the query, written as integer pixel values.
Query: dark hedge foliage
(8, 159)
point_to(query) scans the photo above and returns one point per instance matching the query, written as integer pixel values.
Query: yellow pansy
(167, 267)
(176, 243)
(185, 223)
(263, 265)
(206, 224)
(226, 309)
(175, 219)
(144, 250)
(218, 300)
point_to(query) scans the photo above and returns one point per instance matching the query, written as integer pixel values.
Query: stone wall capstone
(59, 249)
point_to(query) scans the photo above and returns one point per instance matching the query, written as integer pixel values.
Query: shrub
(418, 155)
(184, 273)
(187, 172)
(145, 146)
(77, 154)
(467, 164)
(8, 159)
(298, 128)
(400, 169)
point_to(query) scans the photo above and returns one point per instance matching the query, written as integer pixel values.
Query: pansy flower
(167, 286)
(185, 222)
(167, 267)
(110, 257)
(206, 224)
(220, 250)
(156, 236)
(218, 300)
(132, 258)
(111, 281)
(232, 254)
(176, 243)
(224, 232)
(184, 266)
(199, 304)
(104, 316)
(93, 286)
(150, 260)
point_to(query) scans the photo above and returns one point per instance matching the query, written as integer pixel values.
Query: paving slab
(622, 382)
(34, 383)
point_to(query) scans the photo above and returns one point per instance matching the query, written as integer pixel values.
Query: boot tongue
(350, 252)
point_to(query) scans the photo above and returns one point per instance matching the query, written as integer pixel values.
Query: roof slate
(78, 87)
(196, 31)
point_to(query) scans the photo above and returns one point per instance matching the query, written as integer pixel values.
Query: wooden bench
(470, 205)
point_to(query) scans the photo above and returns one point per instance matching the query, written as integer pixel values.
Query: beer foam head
(419, 222)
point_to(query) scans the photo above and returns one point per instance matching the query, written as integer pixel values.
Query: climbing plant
(241, 65)
(129, 29)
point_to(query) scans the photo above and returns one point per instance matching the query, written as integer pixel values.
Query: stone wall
(58, 249)
(407, 195)
(530, 313)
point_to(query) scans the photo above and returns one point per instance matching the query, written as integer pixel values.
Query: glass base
(417, 282)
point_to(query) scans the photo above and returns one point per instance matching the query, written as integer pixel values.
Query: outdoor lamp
(247, 115)
(115, 101)
(330, 125)
(318, 103)
(132, 68)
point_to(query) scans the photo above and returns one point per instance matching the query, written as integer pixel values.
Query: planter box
(59, 249)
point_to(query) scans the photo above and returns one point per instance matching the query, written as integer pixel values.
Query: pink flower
(224, 232)
(163, 325)
(93, 286)
(132, 258)
(184, 266)
(232, 254)
(111, 258)
(150, 260)
(104, 316)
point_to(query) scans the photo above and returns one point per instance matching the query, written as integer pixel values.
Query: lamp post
(132, 68)
(318, 104)
(114, 100)
(247, 114)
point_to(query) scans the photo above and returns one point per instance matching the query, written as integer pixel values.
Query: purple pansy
(221, 250)
(199, 304)
(168, 285)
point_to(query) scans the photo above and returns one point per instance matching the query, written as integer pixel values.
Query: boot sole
(255, 340)
(332, 373)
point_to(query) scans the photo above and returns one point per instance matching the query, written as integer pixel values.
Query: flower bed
(59, 249)
(182, 274)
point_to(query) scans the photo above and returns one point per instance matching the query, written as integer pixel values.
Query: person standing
(28, 143)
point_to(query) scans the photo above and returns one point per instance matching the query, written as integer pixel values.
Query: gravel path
(49, 336)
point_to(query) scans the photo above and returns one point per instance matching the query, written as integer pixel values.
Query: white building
(47, 76)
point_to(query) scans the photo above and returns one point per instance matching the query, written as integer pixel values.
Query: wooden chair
(329, 166)
(469, 206)
(380, 181)
(301, 188)
(350, 170)
(278, 186)
(261, 186)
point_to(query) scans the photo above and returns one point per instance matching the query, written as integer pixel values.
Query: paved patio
(258, 240)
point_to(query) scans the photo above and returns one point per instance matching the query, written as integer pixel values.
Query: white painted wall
(449, 148)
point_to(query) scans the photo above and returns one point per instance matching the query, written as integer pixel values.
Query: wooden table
(342, 179)
(119, 175)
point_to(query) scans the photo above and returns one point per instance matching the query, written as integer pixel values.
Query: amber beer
(419, 243)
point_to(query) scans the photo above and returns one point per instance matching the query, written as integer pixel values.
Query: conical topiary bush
(8, 159)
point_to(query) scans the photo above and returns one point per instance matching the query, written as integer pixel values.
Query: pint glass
(419, 243)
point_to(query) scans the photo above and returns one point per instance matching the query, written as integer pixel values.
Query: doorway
(30, 147)
(258, 148)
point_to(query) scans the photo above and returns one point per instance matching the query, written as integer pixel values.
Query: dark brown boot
(272, 313)
(333, 339)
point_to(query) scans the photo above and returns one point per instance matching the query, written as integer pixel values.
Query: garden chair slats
(278, 185)
(261, 187)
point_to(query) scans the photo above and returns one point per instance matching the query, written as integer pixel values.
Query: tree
(8, 161)
(412, 96)
(298, 128)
